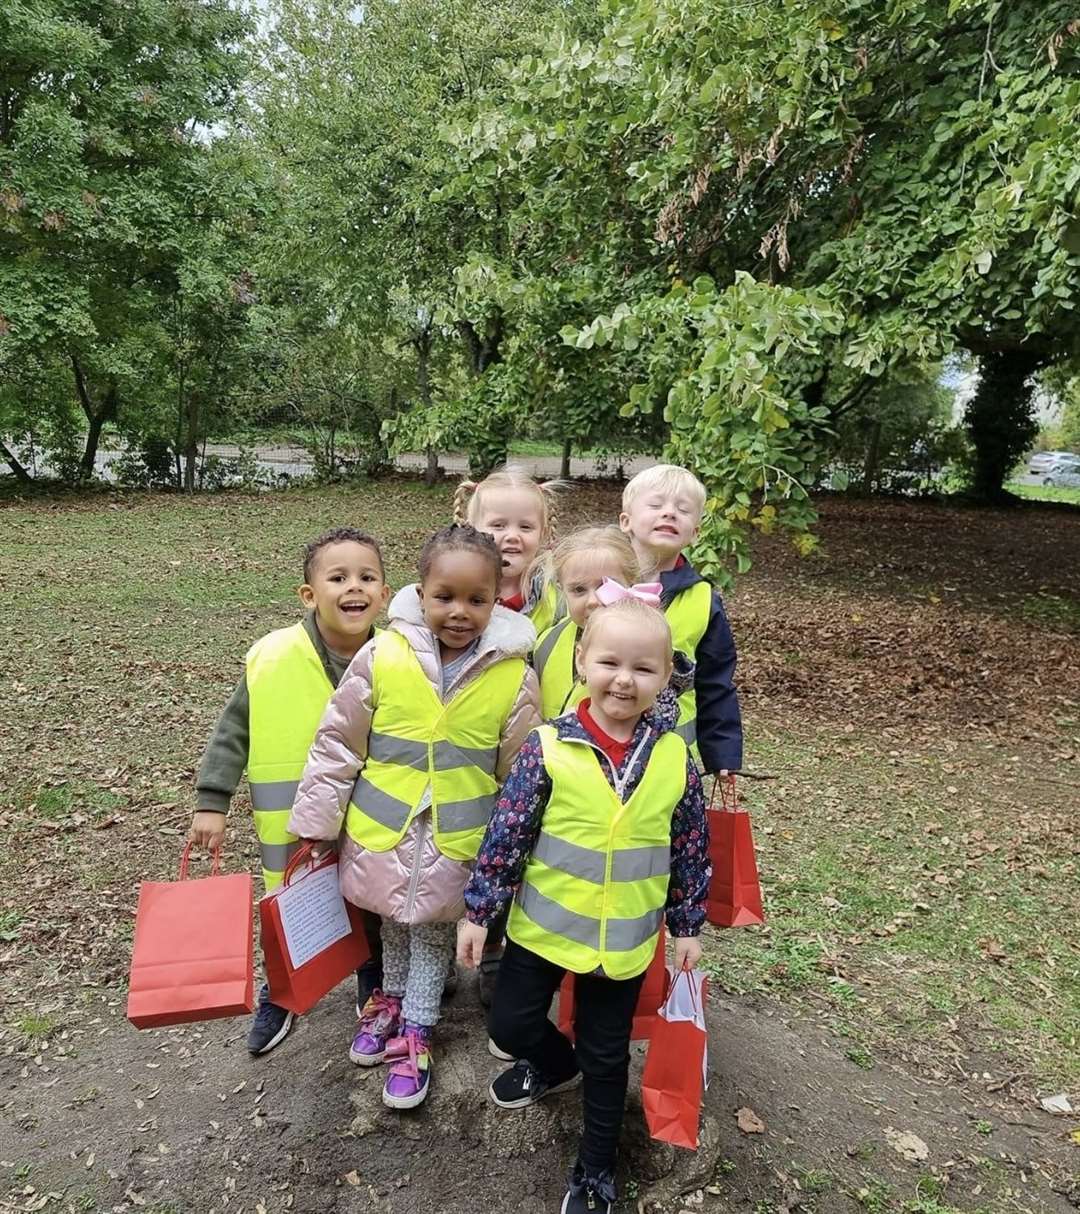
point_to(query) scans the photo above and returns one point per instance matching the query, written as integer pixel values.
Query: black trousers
(603, 1017)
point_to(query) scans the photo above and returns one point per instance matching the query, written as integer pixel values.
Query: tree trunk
(96, 417)
(873, 455)
(1000, 420)
(191, 441)
(12, 461)
(422, 344)
(564, 467)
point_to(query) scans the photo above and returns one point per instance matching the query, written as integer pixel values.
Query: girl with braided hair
(411, 751)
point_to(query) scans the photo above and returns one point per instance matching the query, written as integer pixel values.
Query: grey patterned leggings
(416, 960)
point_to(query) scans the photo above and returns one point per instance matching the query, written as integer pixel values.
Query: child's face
(513, 518)
(662, 522)
(458, 597)
(347, 591)
(624, 668)
(581, 577)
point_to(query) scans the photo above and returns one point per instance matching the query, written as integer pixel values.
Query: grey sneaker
(270, 1026)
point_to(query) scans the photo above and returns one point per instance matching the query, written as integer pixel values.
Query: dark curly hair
(461, 537)
(340, 535)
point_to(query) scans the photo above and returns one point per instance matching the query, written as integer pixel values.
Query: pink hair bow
(610, 591)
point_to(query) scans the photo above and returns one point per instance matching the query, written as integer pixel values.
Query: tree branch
(12, 461)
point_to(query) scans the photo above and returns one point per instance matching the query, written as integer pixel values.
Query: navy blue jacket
(719, 723)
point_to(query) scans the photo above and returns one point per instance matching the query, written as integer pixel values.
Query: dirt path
(912, 685)
(183, 1120)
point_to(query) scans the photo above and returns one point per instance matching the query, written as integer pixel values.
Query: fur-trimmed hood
(509, 634)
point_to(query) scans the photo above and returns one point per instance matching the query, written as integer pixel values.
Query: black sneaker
(271, 1024)
(368, 980)
(588, 1195)
(523, 1085)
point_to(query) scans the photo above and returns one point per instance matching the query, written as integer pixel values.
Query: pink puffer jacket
(413, 882)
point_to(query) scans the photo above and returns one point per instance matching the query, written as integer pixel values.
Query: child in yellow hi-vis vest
(271, 718)
(580, 563)
(413, 747)
(518, 512)
(599, 833)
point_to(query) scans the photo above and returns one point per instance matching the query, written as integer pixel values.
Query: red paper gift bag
(734, 892)
(311, 937)
(193, 955)
(674, 1077)
(652, 995)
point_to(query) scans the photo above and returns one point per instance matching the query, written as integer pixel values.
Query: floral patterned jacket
(515, 825)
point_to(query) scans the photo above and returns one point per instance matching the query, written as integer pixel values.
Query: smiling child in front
(429, 716)
(599, 831)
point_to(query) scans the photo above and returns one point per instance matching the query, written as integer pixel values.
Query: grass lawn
(918, 850)
(1045, 493)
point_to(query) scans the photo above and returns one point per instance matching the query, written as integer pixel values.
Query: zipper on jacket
(418, 855)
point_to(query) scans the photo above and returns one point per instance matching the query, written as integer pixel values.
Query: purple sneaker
(380, 1019)
(409, 1080)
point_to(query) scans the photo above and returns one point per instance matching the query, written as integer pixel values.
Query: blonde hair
(469, 497)
(668, 478)
(608, 540)
(640, 614)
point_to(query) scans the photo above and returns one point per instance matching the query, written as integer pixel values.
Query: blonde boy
(661, 515)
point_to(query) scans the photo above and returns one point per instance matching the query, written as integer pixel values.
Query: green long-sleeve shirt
(225, 758)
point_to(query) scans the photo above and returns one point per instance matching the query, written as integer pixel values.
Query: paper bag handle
(684, 973)
(729, 801)
(302, 855)
(185, 856)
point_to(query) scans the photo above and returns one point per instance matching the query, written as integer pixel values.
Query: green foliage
(113, 201)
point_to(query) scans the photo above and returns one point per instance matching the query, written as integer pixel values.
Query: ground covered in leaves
(915, 689)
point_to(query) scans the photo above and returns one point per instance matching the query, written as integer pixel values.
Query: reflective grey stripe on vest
(582, 862)
(557, 919)
(622, 934)
(385, 748)
(407, 752)
(627, 863)
(388, 811)
(640, 863)
(687, 731)
(449, 755)
(273, 794)
(465, 815)
(544, 650)
(625, 934)
(276, 856)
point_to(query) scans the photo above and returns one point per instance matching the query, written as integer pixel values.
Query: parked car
(1068, 479)
(1049, 463)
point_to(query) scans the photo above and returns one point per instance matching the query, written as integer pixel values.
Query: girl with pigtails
(518, 513)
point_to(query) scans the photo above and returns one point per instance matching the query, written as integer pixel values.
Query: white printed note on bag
(686, 1001)
(313, 915)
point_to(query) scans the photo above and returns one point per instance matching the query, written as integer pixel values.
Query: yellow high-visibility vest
(288, 690)
(596, 883)
(547, 610)
(688, 617)
(553, 661)
(417, 740)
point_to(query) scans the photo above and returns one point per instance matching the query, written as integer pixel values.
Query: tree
(105, 114)
(355, 109)
(780, 203)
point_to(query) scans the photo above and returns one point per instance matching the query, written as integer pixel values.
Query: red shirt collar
(514, 603)
(612, 747)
